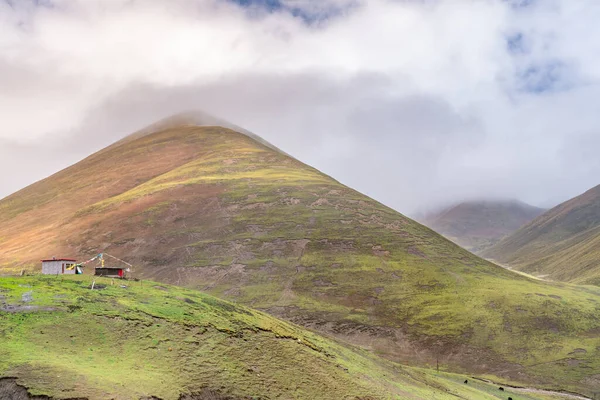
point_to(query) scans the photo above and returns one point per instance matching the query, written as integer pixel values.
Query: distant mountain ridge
(479, 224)
(211, 208)
(561, 244)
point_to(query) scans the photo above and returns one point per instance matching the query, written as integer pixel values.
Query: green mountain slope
(210, 208)
(562, 244)
(61, 339)
(477, 225)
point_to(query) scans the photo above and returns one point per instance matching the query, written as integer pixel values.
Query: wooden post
(93, 283)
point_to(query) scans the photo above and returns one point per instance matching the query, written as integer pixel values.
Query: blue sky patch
(271, 5)
(520, 3)
(516, 43)
(312, 15)
(549, 77)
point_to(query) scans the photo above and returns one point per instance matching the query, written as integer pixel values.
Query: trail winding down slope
(562, 244)
(213, 209)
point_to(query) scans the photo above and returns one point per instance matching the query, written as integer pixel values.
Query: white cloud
(414, 102)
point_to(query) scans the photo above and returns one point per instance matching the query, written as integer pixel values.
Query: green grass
(563, 244)
(231, 217)
(150, 339)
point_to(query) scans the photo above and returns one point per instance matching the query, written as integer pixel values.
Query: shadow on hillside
(10, 389)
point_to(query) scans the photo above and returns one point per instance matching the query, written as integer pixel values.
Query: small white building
(59, 266)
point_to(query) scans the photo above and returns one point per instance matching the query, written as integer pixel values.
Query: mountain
(148, 341)
(476, 225)
(562, 244)
(211, 208)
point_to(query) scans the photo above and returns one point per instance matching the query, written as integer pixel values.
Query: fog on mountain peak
(417, 104)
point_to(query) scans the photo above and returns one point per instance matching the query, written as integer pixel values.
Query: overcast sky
(416, 103)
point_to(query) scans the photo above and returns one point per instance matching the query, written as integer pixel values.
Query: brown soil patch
(416, 252)
(211, 276)
(320, 202)
(11, 390)
(380, 252)
(398, 346)
(208, 394)
(10, 308)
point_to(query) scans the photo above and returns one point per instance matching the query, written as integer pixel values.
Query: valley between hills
(562, 244)
(477, 225)
(212, 210)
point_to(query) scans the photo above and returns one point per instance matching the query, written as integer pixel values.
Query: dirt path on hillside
(517, 389)
(550, 393)
(509, 268)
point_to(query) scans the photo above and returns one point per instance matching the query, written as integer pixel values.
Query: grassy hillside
(477, 225)
(140, 339)
(209, 208)
(562, 244)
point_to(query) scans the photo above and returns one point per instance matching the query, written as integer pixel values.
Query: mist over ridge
(425, 104)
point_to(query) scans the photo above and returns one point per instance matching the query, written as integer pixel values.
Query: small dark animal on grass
(466, 381)
(510, 398)
(501, 388)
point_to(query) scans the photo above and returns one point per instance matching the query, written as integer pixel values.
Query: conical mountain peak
(212, 208)
(194, 118)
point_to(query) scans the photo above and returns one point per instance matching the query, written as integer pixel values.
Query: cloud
(416, 103)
